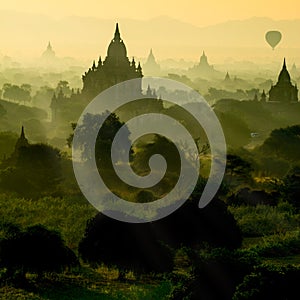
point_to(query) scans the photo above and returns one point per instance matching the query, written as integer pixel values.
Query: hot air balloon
(273, 37)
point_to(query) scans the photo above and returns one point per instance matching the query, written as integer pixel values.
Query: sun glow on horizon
(36, 22)
(200, 13)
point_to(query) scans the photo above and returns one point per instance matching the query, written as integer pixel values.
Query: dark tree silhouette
(7, 143)
(237, 170)
(2, 111)
(154, 145)
(32, 171)
(139, 247)
(35, 250)
(64, 87)
(105, 136)
(215, 275)
(17, 93)
(245, 196)
(270, 282)
(128, 246)
(144, 196)
(190, 226)
(283, 143)
(102, 148)
(290, 190)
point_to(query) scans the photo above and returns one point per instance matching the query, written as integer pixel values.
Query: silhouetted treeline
(34, 249)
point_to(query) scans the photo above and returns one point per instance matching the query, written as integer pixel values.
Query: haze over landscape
(180, 31)
(194, 97)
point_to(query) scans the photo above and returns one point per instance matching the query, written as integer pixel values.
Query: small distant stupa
(203, 68)
(48, 54)
(263, 97)
(151, 67)
(295, 71)
(151, 93)
(227, 77)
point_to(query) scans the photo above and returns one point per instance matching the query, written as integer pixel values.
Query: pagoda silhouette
(203, 68)
(114, 69)
(151, 67)
(284, 91)
(49, 52)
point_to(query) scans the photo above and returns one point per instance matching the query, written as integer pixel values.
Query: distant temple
(21, 143)
(22, 140)
(114, 69)
(151, 93)
(295, 71)
(204, 62)
(284, 90)
(48, 53)
(151, 67)
(227, 77)
(203, 68)
(56, 102)
(263, 97)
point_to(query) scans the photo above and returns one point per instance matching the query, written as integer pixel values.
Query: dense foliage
(231, 249)
(35, 250)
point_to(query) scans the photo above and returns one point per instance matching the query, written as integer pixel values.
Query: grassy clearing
(271, 232)
(93, 286)
(67, 215)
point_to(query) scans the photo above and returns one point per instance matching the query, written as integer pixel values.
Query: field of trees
(244, 245)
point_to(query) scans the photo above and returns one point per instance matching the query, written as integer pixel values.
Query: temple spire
(22, 133)
(99, 62)
(227, 76)
(117, 33)
(22, 141)
(203, 59)
(133, 63)
(283, 90)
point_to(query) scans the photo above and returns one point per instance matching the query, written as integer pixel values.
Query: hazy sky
(26, 34)
(197, 12)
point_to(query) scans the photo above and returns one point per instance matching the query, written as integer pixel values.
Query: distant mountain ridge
(90, 36)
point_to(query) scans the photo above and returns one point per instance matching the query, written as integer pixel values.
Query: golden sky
(26, 35)
(197, 12)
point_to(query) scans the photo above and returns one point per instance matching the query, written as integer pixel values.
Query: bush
(269, 282)
(279, 245)
(35, 250)
(32, 171)
(139, 247)
(215, 275)
(129, 246)
(265, 220)
(291, 187)
(190, 226)
(245, 196)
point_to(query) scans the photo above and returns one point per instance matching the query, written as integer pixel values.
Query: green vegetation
(66, 215)
(262, 220)
(55, 245)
